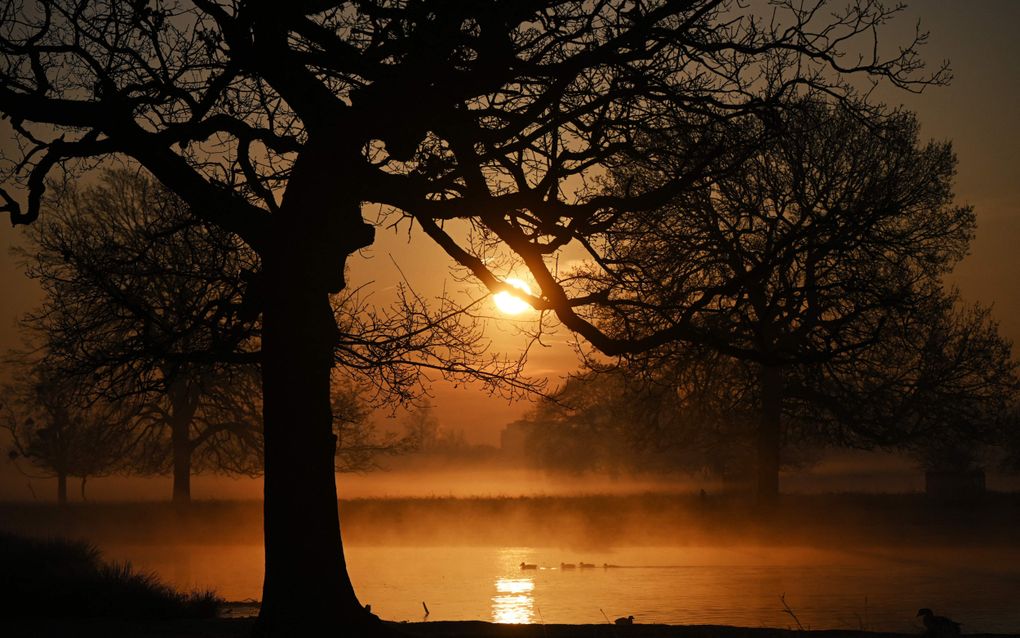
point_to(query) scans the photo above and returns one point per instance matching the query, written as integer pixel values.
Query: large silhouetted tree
(483, 120)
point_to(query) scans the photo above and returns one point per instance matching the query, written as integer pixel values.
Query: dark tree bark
(769, 436)
(306, 575)
(183, 405)
(182, 465)
(62, 488)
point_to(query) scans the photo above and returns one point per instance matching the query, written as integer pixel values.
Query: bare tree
(939, 384)
(204, 421)
(694, 406)
(798, 254)
(277, 121)
(359, 443)
(588, 426)
(143, 306)
(60, 434)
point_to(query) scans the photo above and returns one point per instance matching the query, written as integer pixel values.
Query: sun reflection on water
(514, 601)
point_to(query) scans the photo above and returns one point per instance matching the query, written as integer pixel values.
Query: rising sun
(509, 303)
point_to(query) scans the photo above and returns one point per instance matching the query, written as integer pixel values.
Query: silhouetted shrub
(58, 578)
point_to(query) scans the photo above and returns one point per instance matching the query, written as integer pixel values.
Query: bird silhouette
(938, 626)
(629, 620)
(528, 566)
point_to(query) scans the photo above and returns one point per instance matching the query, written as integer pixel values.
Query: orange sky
(979, 112)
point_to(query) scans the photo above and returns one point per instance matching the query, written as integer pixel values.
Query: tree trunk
(182, 462)
(62, 488)
(769, 437)
(83, 480)
(184, 397)
(306, 589)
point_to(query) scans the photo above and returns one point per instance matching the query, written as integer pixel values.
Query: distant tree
(478, 120)
(207, 422)
(583, 427)
(694, 412)
(801, 253)
(422, 426)
(940, 384)
(1009, 460)
(425, 435)
(59, 434)
(359, 443)
(143, 306)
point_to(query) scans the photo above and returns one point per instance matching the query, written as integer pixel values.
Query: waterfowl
(587, 565)
(938, 626)
(528, 565)
(567, 566)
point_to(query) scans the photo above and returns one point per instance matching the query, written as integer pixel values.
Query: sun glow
(514, 601)
(509, 303)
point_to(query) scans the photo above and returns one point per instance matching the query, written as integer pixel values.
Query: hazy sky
(979, 112)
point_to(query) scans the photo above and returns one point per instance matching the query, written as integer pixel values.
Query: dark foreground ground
(241, 628)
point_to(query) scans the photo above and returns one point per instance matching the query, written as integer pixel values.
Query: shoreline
(242, 627)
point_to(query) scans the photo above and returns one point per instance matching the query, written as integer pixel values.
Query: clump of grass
(69, 579)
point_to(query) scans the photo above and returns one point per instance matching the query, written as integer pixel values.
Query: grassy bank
(60, 579)
(649, 519)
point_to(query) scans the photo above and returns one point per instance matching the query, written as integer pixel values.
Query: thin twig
(788, 610)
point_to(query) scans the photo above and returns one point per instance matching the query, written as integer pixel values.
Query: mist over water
(839, 561)
(869, 472)
(677, 549)
(876, 589)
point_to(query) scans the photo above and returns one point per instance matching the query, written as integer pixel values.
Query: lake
(879, 589)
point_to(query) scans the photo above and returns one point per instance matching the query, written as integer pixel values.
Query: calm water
(877, 589)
